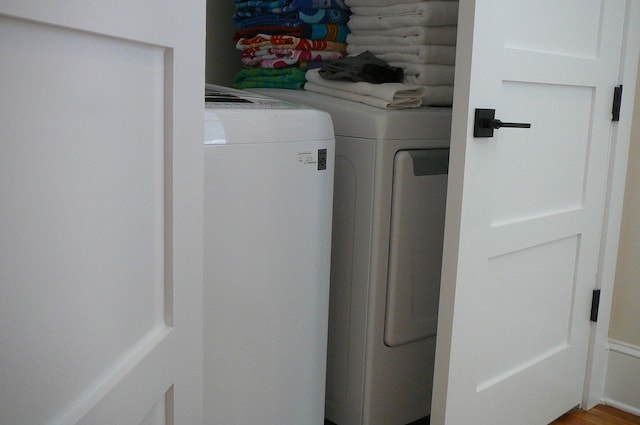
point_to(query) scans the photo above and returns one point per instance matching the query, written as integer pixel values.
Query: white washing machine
(388, 226)
(269, 167)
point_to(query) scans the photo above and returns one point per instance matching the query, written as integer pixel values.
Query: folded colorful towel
(290, 4)
(329, 32)
(246, 18)
(319, 16)
(406, 36)
(287, 42)
(248, 12)
(286, 78)
(319, 4)
(280, 58)
(425, 54)
(290, 19)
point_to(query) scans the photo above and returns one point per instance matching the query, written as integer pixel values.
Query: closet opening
(390, 184)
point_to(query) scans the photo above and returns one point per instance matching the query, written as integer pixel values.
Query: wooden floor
(599, 415)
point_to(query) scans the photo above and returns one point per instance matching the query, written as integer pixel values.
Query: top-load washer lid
(220, 97)
(353, 119)
(236, 116)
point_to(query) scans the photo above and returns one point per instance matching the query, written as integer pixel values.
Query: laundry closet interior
(388, 226)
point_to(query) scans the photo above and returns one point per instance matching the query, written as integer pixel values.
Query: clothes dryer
(388, 226)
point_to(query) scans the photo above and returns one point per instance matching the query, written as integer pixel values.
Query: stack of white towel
(419, 37)
(385, 96)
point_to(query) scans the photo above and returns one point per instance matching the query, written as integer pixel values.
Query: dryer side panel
(350, 277)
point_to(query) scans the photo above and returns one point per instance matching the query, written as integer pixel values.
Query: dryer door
(415, 251)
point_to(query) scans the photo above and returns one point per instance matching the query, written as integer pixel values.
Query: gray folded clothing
(363, 67)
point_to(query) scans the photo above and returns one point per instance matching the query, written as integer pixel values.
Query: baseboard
(622, 389)
(624, 348)
(622, 406)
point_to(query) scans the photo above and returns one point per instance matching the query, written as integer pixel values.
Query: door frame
(620, 140)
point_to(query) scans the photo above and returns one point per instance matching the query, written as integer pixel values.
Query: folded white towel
(406, 36)
(379, 3)
(436, 12)
(426, 74)
(357, 23)
(424, 54)
(360, 98)
(438, 96)
(434, 96)
(387, 95)
(402, 31)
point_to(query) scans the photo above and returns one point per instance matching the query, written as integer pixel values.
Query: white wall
(625, 319)
(623, 373)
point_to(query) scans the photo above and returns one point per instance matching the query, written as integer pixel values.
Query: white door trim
(621, 133)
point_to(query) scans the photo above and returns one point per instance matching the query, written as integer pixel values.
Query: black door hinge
(617, 101)
(595, 304)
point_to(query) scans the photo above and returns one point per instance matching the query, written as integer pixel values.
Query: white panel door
(525, 208)
(101, 212)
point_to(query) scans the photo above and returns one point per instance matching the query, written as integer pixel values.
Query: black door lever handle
(496, 124)
(485, 122)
